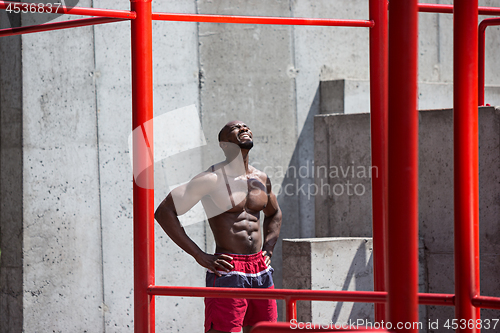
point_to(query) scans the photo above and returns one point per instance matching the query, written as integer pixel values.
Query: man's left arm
(272, 223)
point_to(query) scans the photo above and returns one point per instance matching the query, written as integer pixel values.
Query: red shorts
(231, 314)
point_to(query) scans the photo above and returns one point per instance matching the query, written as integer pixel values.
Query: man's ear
(223, 144)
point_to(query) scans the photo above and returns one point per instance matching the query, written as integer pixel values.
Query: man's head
(236, 132)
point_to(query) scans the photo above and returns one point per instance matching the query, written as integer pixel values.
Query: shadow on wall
(296, 205)
(359, 311)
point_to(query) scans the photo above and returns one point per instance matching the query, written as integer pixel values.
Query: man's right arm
(186, 196)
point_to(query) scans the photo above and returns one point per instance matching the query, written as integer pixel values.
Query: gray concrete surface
(336, 263)
(11, 183)
(343, 140)
(65, 120)
(329, 264)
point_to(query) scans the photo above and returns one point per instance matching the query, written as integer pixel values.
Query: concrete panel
(343, 175)
(11, 184)
(435, 192)
(353, 96)
(62, 231)
(175, 86)
(297, 272)
(329, 264)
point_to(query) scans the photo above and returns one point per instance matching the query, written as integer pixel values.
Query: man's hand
(267, 258)
(215, 263)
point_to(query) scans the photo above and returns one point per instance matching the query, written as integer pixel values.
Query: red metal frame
(379, 79)
(481, 54)
(142, 112)
(466, 160)
(393, 100)
(448, 9)
(402, 229)
(264, 327)
(260, 20)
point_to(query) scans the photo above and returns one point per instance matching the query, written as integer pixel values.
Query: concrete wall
(343, 141)
(336, 263)
(329, 264)
(11, 183)
(65, 120)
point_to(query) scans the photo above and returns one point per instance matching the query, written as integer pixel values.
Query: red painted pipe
(57, 26)
(142, 112)
(448, 9)
(260, 20)
(51, 8)
(294, 294)
(481, 55)
(291, 294)
(465, 159)
(291, 309)
(486, 302)
(402, 231)
(379, 81)
(266, 327)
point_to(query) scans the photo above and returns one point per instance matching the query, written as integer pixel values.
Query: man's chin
(246, 145)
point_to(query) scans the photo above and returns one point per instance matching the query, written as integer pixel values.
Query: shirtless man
(233, 194)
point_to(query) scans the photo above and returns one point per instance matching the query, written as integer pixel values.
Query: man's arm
(272, 222)
(182, 199)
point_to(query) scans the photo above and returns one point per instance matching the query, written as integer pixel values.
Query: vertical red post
(142, 112)
(402, 231)
(466, 159)
(291, 309)
(379, 78)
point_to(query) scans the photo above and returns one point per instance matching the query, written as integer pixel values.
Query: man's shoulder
(206, 177)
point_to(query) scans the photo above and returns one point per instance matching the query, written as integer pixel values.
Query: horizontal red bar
(57, 26)
(40, 8)
(294, 294)
(448, 9)
(488, 22)
(486, 302)
(294, 326)
(260, 20)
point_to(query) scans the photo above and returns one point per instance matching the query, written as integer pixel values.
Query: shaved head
(226, 128)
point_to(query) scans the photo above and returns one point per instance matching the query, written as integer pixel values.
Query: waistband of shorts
(243, 257)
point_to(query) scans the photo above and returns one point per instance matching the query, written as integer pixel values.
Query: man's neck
(236, 168)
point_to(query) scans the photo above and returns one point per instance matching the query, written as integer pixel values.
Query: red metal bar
(291, 309)
(260, 20)
(465, 164)
(266, 327)
(291, 294)
(448, 9)
(52, 8)
(142, 112)
(486, 302)
(294, 295)
(379, 82)
(436, 299)
(402, 231)
(58, 25)
(481, 55)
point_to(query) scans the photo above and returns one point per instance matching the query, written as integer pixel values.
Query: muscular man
(233, 194)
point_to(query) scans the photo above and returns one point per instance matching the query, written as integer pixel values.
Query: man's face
(239, 133)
